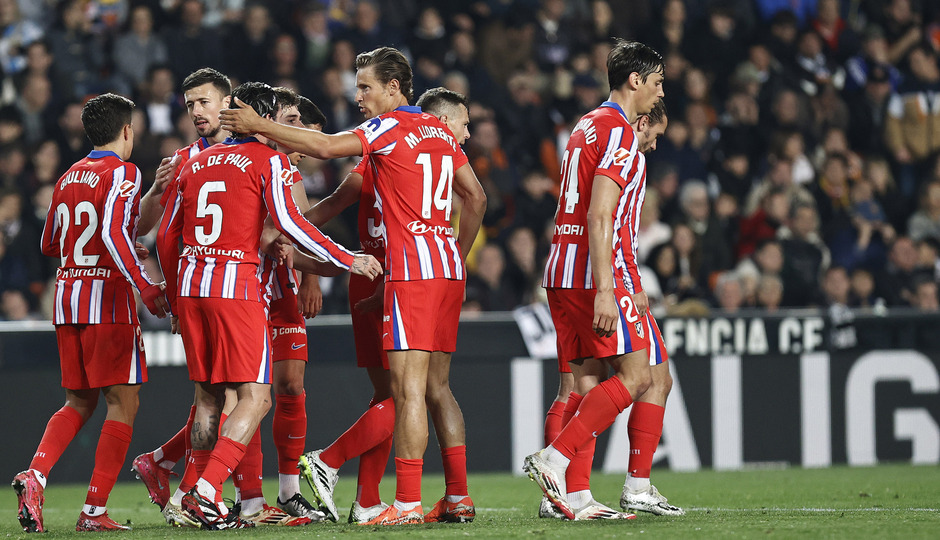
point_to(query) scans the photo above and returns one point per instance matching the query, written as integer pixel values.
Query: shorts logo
(297, 346)
(639, 329)
(621, 156)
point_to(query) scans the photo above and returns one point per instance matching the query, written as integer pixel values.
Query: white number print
(91, 228)
(211, 210)
(443, 194)
(569, 181)
(632, 314)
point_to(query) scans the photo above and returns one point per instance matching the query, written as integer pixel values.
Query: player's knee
(289, 388)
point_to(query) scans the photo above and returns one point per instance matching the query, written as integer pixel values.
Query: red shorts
(422, 314)
(658, 353)
(288, 330)
(573, 316)
(100, 355)
(226, 341)
(367, 327)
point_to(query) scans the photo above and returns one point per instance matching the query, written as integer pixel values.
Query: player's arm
(151, 205)
(122, 203)
(309, 295)
(306, 141)
(168, 251)
(50, 234)
(345, 195)
(600, 224)
(309, 265)
(288, 220)
(468, 187)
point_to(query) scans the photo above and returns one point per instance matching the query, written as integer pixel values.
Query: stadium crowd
(800, 167)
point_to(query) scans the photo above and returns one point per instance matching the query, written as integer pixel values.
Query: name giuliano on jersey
(225, 194)
(413, 157)
(602, 143)
(92, 227)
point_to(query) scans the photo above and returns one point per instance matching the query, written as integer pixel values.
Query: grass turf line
(888, 501)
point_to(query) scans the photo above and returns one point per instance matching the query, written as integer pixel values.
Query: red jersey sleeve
(119, 224)
(617, 147)
(50, 238)
(288, 219)
(168, 240)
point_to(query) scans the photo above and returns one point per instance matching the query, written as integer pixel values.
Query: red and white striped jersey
(92, 226)
(413, 157)
(627, 227)
(602, 144)
(168, 251)
(371, 227)
(225, 194)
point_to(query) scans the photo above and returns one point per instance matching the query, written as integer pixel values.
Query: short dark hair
(285, 97)
(208, 75)
(310, 113)
(631, 57)
(658, 114)
(257, 95)
(105, 116)
(436, 99)
(388, 63)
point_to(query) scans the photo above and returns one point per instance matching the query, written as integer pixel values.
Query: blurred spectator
(12, 166)
(366, 31)
(137, 49)
(902, 29)
(688, 262)
(836, 286)
(874, 55)
(315, 43)
(805, 256)
(70, 136)
(462, 56)
(716, 44)
(492, 166)
(340, 112)
(429, 39)
(489, 285)
(896, 281)
(668, 35)
(925, 295)
(20, 239)
(784, 27)
(729, 293)
(554, 34)
(868, 112)
(925, 223)
(862, 289)
(653, 231)
(839, 38)
(160, 101)
(220, 12)
(17, 33)
(284, 63)
(35, 105)
(248, 46)
(535, 203)
(770, 291)
(79, 54)
(190, 44)
(713, 241)
(45, 166)
(521, 271)
(15, 306)
(763, 223)
(813, 68)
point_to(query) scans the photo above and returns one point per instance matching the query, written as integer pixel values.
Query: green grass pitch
(885, 502)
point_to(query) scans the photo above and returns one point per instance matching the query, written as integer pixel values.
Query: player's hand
(141, 250)
(164, 175)
(310, 297)
(642, 303)
(366, 265)
(374, 302)
(243, 120)
(282, 250)
(155, 300)
(175, 324)
(605, 313)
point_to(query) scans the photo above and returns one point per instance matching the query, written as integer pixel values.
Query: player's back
(222, 210)
(627, 227)
(414, 156)
(602, 144)
(90, 285)
(369, 218)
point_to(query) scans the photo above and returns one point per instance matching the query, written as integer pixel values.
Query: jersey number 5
(65, 219)
(210, 210)
(443, 193)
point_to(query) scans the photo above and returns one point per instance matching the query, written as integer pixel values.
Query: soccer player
(370, 437)
(418, 165)
(92, 227)
(225, 194)
(599, 163)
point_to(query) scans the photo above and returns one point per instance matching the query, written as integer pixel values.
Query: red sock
(109, 457)
(578, 474)
(189, 433)
(60, 430)
(195, 465)
(223, 460)
(408, 476)
(374, 426)
(597, 412)
(644, 429)
(248, 473)
(175, 448)
(290, 430)
(455, 470)
(553, 421)
(372, 466)
(571, 407)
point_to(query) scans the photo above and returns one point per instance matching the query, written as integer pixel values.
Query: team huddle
(240, 250)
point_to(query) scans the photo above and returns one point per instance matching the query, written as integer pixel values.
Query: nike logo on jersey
(297, 346)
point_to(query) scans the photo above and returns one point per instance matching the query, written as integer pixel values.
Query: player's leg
(60, 430)
(372, 463)
(154, 468)
(122, 401)
(553, 422)
(290, 434)
(644, 429)
(456, 505)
